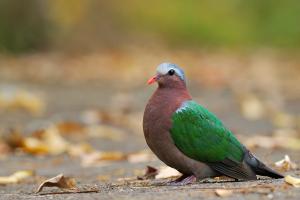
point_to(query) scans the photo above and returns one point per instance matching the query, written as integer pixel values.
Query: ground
(116, 178)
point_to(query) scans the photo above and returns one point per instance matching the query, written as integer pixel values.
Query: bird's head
(168, 75)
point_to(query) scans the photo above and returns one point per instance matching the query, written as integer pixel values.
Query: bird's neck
(170, 98)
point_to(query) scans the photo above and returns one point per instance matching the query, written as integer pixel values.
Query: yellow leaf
(167, 172)
(292, 180)
(16, 177)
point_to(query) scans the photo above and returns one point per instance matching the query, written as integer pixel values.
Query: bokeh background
(77, 70)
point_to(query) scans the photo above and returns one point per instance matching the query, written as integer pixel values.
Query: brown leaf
(68, 128)
(223, 192)
(150, 173)
(48, 142)
(16, 177)
(14, 139)
(292, 181)
(58, 181)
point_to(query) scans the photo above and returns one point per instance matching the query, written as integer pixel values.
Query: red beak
(152, 80)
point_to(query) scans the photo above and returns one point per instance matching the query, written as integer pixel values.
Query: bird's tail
(259, 167)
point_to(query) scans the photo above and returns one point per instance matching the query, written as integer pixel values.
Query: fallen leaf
(59, 181)
(14, 139)
(223, 192)
(292, 181)
(68, 128)
(16, 177)
(286, 164)
(167, 172)
(14, 99)
(49, 142)
(34, 146)
(150, 173)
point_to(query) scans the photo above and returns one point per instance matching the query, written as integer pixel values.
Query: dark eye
(171, 72)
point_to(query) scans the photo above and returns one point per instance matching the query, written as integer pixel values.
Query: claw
(183, 180)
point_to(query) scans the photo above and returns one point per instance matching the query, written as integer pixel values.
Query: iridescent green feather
(200, 135)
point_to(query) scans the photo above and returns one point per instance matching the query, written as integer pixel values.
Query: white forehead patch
(164, 68)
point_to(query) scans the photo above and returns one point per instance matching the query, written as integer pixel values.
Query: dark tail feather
(260, 168)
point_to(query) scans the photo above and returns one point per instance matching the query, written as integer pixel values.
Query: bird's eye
(171, 72)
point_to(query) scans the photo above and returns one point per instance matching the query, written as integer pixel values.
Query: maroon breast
(157, 123)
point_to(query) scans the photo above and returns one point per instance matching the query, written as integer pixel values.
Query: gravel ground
(67, 102)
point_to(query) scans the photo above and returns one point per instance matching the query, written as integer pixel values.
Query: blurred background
(79, 68)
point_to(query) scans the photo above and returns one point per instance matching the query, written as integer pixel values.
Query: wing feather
(200, 135)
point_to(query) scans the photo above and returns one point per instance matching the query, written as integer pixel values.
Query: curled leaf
(59, 181)
(292, 181)
(167, 172)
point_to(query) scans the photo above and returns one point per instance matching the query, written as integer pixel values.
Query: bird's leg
(183, 180)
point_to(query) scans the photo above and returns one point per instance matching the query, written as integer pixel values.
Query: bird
(188, 137)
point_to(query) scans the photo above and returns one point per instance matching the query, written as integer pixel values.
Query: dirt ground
(116, 179)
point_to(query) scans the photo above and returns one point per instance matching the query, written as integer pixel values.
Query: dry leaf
(48, 142)
(292, 180)
(150, 173)
(12, 98)
(286, 164)
(58, 181)
(167, 172)
(223, 192)
(16, 177)
(14, 139)
(67, 128)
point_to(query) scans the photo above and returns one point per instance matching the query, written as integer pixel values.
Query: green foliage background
(35, 25)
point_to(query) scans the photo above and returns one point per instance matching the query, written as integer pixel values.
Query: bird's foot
(183, 180)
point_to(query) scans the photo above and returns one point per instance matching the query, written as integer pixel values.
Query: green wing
(200, 135)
